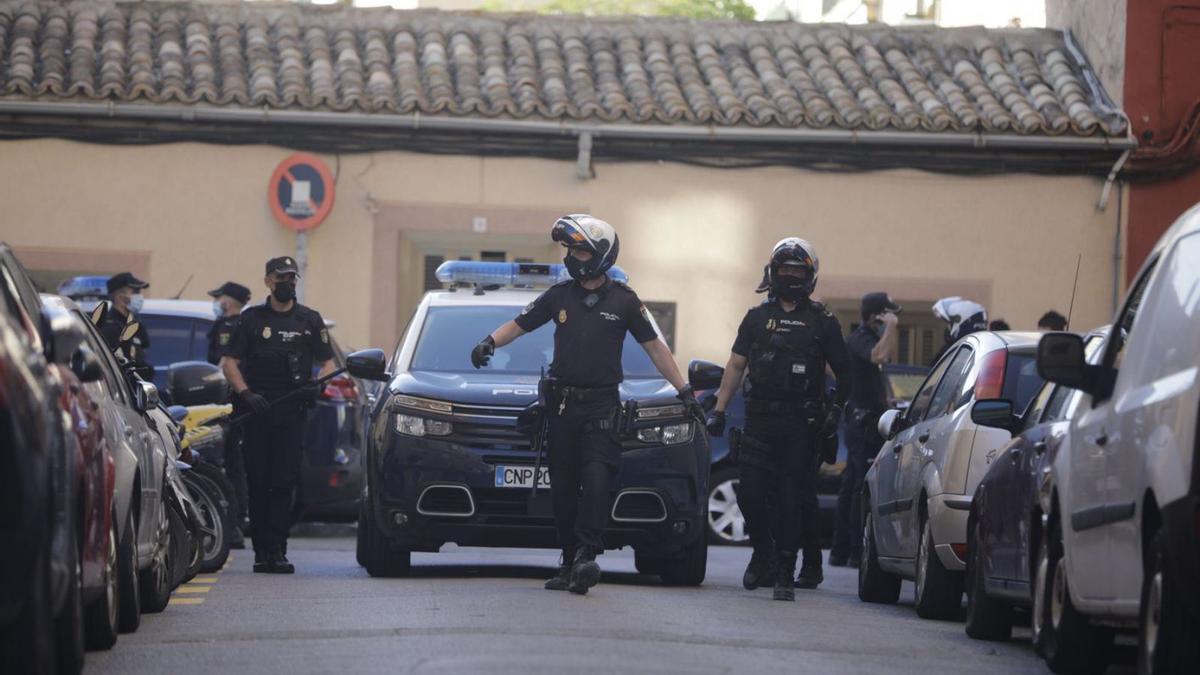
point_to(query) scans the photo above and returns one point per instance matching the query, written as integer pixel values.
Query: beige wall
(691, 235)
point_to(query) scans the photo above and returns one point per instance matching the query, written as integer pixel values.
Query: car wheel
(185, 545)
(155, 581)
(987, 618)
(874, 585)
(100, 622)
(216, 523)
(688, 569)
(1164, 645)
(377, 554)
(938, 590)
(1063, 636)
(129, 600)
(68, 625)
(27, 643)
(726, 525)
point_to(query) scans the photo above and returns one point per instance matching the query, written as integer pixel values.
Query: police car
(445, 461)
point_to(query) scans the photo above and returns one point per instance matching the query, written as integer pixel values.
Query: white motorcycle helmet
(962, 317)
(792, 252)
(580, 230)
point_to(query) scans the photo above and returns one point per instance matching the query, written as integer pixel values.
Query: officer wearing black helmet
(125, 301)
(591, 315)
(785, 343)
(228, 301)
(273, 352)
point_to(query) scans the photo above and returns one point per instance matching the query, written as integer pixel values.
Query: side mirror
(704, 375)
(196, 383)
(368, 364)
(994, 412)
(887, 424)
(145, 396)
(86, 365)
(63, 335)
(129, 331)
(98, 312)
(1061, 359)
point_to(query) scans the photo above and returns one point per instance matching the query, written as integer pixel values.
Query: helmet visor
(569, 235)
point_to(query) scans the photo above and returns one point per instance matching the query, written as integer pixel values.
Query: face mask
(285, 291)
(135, 303)
(576, 268)
(218, 311)
(792, 289)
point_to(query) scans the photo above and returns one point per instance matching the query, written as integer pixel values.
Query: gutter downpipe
(416, 121)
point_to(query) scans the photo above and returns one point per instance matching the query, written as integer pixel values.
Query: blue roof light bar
(468, 272)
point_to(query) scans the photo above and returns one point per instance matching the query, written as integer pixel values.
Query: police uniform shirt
(220, 336)
(111, 327)
(588, 340)
(276, 351)
(869, 391)
(809, 335)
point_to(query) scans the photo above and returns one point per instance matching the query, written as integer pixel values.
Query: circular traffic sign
(301, 192)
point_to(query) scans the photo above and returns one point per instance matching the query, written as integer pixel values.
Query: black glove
(257, 402)
(691, 406)
(311, 392)
(482, 353)
(716, 424)
(833, 417)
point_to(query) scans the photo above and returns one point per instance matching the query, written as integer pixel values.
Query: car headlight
(423, 404)
(411, 425)
(669, 434)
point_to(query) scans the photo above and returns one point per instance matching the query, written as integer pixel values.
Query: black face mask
(792, 289)
(577, 268)
(285, 291)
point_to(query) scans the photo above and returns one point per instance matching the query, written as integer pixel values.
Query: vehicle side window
(199, 349)
(170, 339)
(1033, 413)
(109, 367)
(1171, 309)
(947, 392)
(27, 294)
(920, 404)
(12, 301)
(1124, 324)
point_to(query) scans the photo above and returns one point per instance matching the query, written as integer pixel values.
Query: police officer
(962, 317)
(870, 346)
(228, 301)
(785, 344)
(125, 301)
(591, 314)
(273, 352)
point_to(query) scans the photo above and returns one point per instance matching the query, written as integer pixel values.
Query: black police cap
(877, 303)
(234, 290)
(123, 279)
(282, 265)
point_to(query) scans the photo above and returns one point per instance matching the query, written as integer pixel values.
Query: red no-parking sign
(301, 192)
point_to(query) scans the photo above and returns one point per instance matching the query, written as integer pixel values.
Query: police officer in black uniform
(273, 353)
(870, 346)
(591, 315)
(125, 301)
(228, 301)
(785, 343)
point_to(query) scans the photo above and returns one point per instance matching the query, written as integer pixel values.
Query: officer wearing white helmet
(591, 313)
(962, 318)
(785, 343)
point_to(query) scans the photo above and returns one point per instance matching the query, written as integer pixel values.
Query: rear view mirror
(145, 396)
(368, 364)
(994, 412)
(887, 424)
(196, 383)
(704, 375)
(86, 365)
(1061, 359)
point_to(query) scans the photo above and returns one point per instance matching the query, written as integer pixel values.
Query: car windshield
(450, 333)
(1021, 380)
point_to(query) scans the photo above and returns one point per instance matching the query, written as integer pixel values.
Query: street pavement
(469, 610)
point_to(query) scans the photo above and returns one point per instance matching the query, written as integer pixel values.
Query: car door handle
(1039, 447)
(129, 433)
(923, 437)
(1101, 440)
(896, 448)
(1014, 453)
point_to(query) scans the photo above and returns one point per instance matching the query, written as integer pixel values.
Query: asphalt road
(468, 610)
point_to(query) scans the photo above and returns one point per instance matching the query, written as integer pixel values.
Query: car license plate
(520, 477)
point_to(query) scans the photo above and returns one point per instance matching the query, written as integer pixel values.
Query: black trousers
(235, 470)
(271, 452)
(862, 442)
(584, 455)
(778, 489)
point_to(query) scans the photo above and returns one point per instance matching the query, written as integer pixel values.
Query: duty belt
(766, 407)
(587, 394)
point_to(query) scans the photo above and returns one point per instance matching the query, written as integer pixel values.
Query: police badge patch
(266, 332)
(562, 316)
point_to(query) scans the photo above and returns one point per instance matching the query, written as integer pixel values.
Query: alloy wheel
(724, 516)
(922, 564)
(1058, 595)
(1039, 593)
(111, 575)
(1153, 617)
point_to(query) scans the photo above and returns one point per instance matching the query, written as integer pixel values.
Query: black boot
(784, 566)
(585, 573)
(811, 574)
(261, 564)
(279, 564)
(562, 580)
(759, 570)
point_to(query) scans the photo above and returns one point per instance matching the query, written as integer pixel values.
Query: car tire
(1063, 637)
(217, 522)
(68, 625)
(185, 544)
(376, 554)
(101, 616)
(646, 563)
(27, 643)
(688, 569)
(938, 591)
(155, 581)
(987, 618)
(874, 585)
(1164, 643)
(129, 602)
(725, 524)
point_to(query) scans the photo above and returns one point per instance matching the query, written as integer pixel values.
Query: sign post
(301, 196)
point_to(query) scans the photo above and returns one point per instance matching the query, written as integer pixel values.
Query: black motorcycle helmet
(798, 253)
(580, 230)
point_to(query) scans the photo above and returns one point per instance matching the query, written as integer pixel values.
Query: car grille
(488, 428)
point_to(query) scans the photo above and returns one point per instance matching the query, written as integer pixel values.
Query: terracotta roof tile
(665, 71)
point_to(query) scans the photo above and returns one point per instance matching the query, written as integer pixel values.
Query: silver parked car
(917, 494)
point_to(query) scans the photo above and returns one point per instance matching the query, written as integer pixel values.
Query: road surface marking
(186, 601)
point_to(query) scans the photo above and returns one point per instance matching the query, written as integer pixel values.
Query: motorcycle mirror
(98, 312)
(129, 331)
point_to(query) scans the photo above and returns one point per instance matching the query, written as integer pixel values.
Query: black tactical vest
(787, 361)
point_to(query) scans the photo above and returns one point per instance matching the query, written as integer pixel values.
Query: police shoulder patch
(528, 308)
(645, 313)
(223, 339)
(325, 335)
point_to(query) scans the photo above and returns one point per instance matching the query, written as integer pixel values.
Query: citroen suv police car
(445, 461)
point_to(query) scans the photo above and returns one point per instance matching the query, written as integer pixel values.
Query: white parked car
(917, 493)
(1123, 533)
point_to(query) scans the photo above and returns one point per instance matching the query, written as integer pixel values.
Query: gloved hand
(829, 426)
(482, 353)
(311, 392)
(691, 406)
(716, 423)
(257, 402)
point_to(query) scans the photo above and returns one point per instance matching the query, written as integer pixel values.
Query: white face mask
(135, 302)
(218, 311)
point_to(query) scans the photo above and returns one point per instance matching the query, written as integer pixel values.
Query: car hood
(506, 389)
